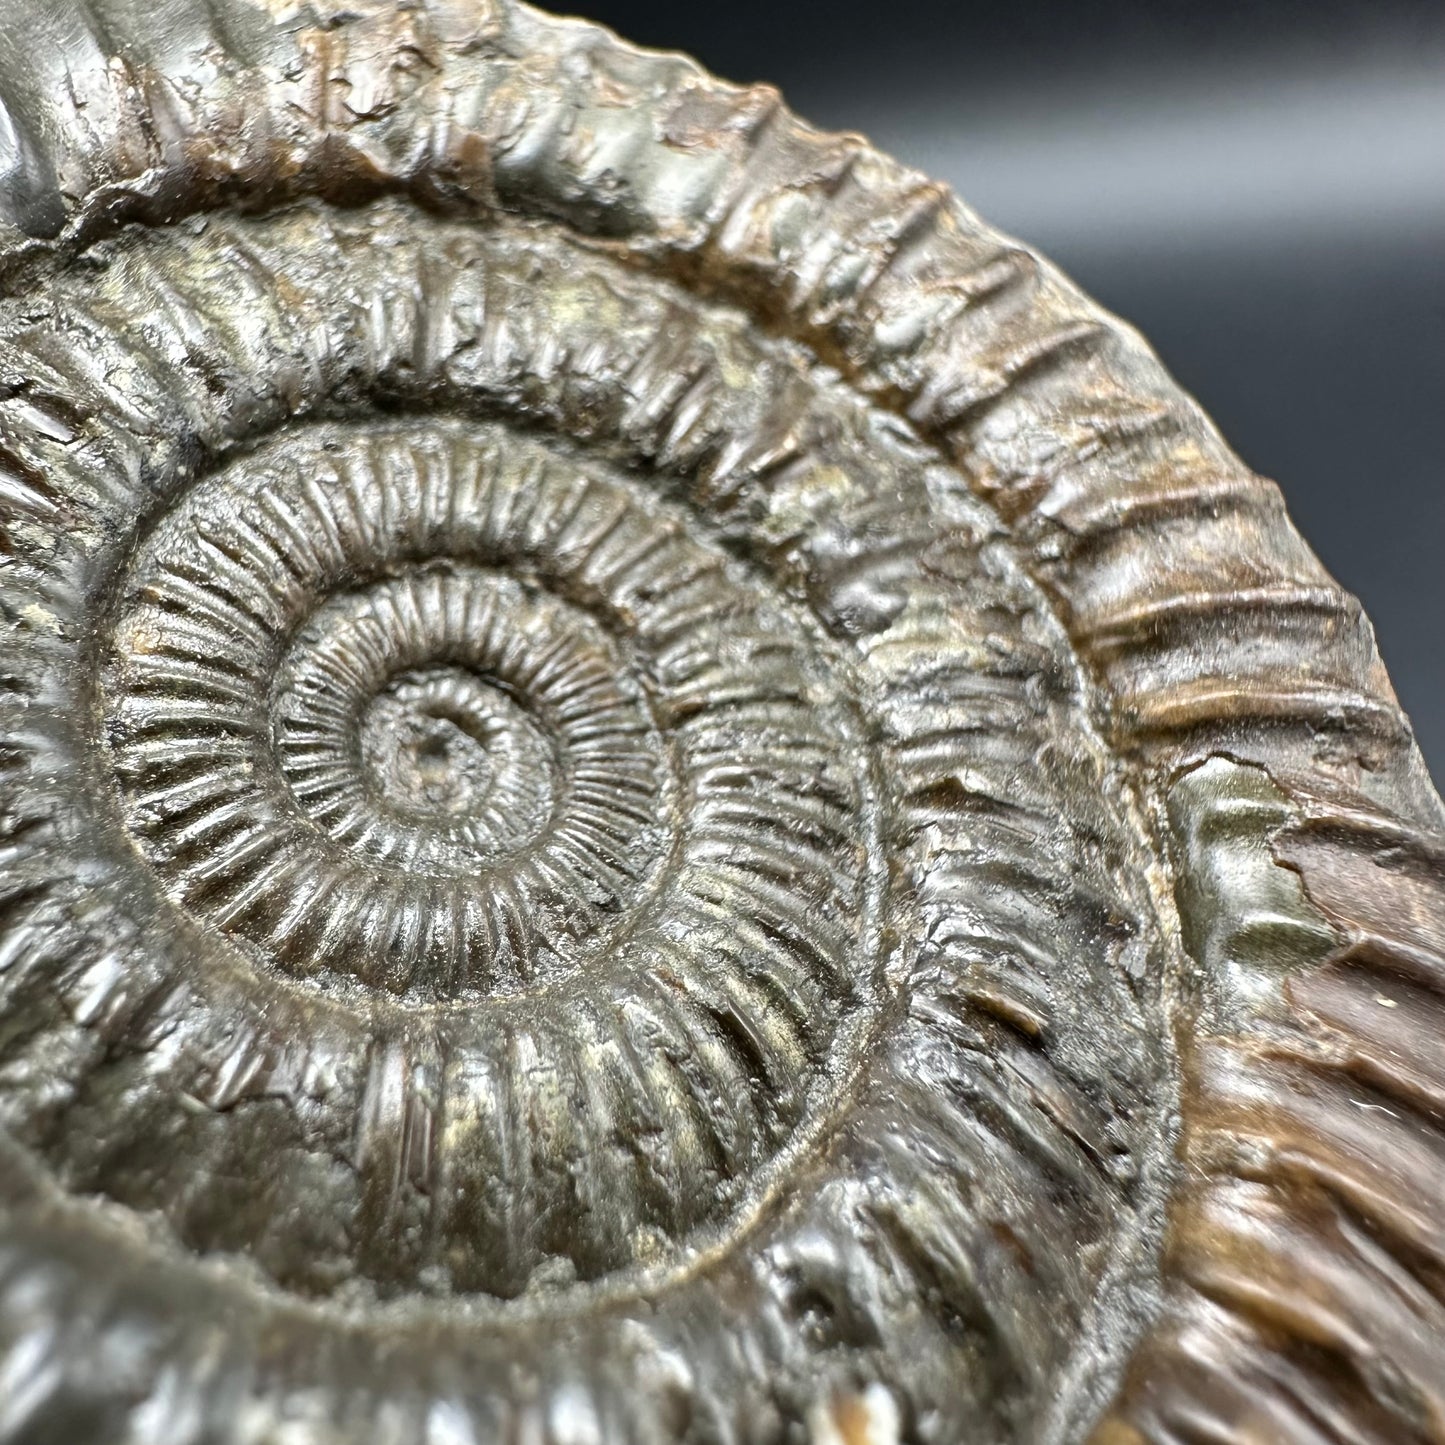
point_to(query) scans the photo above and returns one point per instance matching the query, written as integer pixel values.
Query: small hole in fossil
(448, 743)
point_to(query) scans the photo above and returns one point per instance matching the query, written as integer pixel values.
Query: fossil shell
(653, 789)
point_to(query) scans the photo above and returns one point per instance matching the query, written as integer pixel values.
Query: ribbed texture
(996, 507)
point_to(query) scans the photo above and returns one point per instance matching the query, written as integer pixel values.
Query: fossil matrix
(653, 789)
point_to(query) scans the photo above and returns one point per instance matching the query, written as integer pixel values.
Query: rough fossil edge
(1305, 1255)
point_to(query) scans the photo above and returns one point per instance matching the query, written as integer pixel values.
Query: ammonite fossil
(654, 789)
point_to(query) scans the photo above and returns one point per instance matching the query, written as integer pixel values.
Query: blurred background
(1260, 187)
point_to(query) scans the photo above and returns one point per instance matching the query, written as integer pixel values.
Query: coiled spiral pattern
(518, 745)
(613, 785)
(455, 779)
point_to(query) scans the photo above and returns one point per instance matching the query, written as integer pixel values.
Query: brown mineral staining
(865, 1417)
(652, 789)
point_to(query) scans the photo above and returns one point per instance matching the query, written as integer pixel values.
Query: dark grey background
(1259, 187)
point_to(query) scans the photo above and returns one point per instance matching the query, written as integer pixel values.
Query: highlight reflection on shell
(696, 847)
(641, 770)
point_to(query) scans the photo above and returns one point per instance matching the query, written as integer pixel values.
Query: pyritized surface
(643, 781)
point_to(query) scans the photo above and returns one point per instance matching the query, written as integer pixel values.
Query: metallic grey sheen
(654, 790)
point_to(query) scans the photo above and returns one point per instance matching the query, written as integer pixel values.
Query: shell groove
(763, 701)
(611, 795)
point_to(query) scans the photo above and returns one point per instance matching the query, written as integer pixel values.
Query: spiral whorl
(640, 782)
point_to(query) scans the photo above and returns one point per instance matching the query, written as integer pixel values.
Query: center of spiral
(446, 748)
(445, 744)
(453, 724)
